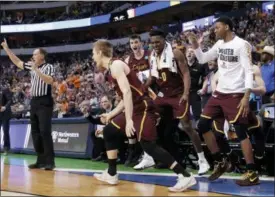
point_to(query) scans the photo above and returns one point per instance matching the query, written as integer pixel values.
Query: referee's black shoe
(36, 166)
(49, 167)
(42, 166)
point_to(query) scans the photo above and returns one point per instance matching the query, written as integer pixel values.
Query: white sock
(201, 156)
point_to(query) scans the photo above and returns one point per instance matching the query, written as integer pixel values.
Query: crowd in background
(78, 10)
(79, 85)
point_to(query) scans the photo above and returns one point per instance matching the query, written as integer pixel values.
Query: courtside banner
(68, 137)
(17, 135)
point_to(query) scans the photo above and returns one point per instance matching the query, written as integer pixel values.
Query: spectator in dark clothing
(197, 74)
(72, 111)
(99, 152)
(5, 115)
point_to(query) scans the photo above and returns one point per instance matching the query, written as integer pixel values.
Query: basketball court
(18, 180)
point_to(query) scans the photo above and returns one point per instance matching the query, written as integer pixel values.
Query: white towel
(166, 61)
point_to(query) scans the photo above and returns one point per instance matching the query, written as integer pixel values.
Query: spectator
(268, 73)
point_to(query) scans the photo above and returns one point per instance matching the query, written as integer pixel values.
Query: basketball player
(254, 128)
(231, 98)
(170, 72)
(138, 61)
(139, 118)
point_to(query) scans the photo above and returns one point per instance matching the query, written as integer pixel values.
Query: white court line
(155, 174)
(8, 193)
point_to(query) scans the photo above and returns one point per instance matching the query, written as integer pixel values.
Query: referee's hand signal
(4, 44)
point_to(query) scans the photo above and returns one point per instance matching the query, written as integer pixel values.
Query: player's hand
(3, 109)
(98, 132)
(105, 118)
(183, 98)
(4, 44)
(200, 92)
(244, 107)
(130, 130)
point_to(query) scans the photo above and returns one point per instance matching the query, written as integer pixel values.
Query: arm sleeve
(212, 54)
(246, 62)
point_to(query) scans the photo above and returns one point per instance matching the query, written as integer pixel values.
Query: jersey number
(163, 75)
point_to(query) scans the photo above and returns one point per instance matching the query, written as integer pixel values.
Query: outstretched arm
(19, 63)
(201, 56)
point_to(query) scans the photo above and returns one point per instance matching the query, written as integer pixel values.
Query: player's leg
(112, 133)
(182, 112)
(240, 124)
(258, 137)
(218, 128)
(147, 135)
(212, 110)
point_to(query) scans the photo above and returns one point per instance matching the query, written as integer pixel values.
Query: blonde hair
(105, 47)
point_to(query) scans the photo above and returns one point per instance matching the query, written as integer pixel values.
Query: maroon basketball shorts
(253, 122)
(144, 118)
(180, 111)
(225, 105)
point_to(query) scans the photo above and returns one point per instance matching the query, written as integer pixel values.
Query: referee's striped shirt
(38, 86)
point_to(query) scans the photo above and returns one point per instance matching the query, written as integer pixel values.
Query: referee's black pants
(41, 128)
(5, 123)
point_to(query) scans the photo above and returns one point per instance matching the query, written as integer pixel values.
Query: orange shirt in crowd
(75, 80)
(62, 88)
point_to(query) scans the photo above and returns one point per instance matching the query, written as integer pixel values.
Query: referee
(41, 105)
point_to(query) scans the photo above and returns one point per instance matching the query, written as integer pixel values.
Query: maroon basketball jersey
(135, 85)
(141, 64)
(170, 83)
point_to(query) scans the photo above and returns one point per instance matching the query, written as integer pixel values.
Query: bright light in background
(269, 7)
(131, 13)
(174, 2)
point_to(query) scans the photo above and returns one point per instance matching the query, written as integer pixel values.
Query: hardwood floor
(56, 183)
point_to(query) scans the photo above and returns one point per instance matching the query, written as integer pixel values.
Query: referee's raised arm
(19, 63)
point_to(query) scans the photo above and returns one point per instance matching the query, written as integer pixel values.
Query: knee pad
(258, 133)
(241, 131)
(111, 136)
(204, 125)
